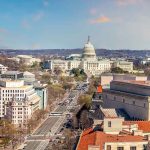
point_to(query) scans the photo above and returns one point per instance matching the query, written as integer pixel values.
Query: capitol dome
(89, 51)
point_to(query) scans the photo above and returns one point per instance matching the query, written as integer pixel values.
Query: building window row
(121, 147)
(13, 91)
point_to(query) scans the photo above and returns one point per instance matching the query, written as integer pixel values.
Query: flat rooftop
(12, 72)
(144, 83)
(131, 86)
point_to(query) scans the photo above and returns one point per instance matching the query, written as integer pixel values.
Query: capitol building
(87, 61)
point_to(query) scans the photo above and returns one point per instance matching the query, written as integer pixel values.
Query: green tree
(58, 71)
(118, 70)
(75, 72)
(46, 77)
(85, 99)
(79, 74)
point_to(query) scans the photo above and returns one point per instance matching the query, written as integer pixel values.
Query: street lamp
(50, 133)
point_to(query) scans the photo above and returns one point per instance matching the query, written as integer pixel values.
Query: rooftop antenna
(88, 39)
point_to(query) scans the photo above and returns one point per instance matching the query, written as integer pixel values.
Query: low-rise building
(125, 65)
(132, 96)
(29, 78)
(26, 59)
(145, 61)
(56, 63)
(3, 69)
(113, 134)
(106, 78)
(14, 75)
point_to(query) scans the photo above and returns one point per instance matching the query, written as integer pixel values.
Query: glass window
(109, 123)
(133, 148)
(108, 147)
(120, 148)
(123, 100)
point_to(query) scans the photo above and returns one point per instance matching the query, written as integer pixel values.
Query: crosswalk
(42, 145)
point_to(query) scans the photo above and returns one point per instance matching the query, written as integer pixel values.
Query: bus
(55, 114)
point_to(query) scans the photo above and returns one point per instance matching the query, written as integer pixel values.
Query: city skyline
(50, 24)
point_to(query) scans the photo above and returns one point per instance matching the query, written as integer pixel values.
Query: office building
(42, 92)
(17, 93)
(132, 96)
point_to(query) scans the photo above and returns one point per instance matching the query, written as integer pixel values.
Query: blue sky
(113, 24)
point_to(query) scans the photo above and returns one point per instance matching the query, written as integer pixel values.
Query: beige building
(132, 96)
(74, 64)
(20, 111)
(106, 78)
(125, 65)
(26, 59)
(87, 61)
(58, 63)
(114, 134)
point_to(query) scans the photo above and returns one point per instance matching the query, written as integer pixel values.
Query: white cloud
(102, 19)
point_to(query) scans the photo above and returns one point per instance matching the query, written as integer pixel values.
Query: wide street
(49, 129)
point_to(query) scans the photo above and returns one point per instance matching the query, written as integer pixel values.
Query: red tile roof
(142, 125)
(99, 138)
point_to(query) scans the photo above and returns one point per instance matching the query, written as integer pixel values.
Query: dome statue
(89, 51)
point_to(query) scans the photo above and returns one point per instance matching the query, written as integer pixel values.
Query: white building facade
(20, 96)
(20, 111)
(3, 69)
(26, 59)
(125, 65)
(88, 61)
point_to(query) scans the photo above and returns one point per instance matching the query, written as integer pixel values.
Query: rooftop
(99, 138)
(142, 125)
(144, 83)
(9, 80)
(12, 72)
(26, 73)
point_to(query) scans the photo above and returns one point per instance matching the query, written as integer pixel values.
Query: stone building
(132, 96)
(87, 61)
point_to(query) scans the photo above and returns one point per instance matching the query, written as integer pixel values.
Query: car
(61, 129)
